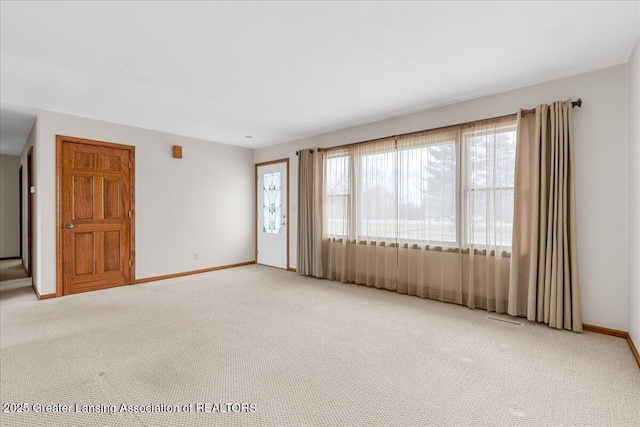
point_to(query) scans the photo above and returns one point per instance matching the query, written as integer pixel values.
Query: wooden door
(30, 215)
(96, 215)
(21, 210)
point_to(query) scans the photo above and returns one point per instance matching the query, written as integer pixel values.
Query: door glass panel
(272, 188)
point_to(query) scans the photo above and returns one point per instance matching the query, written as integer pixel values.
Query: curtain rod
(409, 133)
(577, 103)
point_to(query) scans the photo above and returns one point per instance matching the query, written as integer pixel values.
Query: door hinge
(129, 263)
(129, 213)
(129, 165)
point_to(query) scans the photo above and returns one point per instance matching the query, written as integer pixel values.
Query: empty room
(322, 213)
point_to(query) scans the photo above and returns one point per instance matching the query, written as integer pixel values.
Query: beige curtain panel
(310, 210)
(543, 281)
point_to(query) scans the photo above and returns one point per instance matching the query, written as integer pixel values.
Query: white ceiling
(280, 71)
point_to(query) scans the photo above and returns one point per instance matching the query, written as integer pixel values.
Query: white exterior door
(272, 215)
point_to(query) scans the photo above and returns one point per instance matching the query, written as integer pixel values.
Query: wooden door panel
(112, 247)
(83, 197)
(95, 214)
(83, 253)
(84, 161)
(111, 163)
(112, 198)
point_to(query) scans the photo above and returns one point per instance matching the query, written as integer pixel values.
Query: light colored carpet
(305, 352)
(11, 269)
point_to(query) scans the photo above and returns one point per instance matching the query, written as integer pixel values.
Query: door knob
(70, 226)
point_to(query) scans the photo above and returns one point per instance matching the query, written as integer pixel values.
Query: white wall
(601, 173)
(633, 70)
(202, 203)
(9, 206)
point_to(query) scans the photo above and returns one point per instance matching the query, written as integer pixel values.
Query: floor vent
(513, 322)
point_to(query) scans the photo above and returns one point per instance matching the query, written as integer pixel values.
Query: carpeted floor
(296, 352)
(11, 269)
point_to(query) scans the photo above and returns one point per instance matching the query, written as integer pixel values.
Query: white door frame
(288, 217)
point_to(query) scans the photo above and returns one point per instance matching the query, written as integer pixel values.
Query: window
(489, 184)
(427, 194)
(377, 198)
(450, 187)
(337, 194)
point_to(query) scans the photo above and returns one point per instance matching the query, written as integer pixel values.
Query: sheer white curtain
(361, 217)
(429, 252)
(488, 165)
(426, 214)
